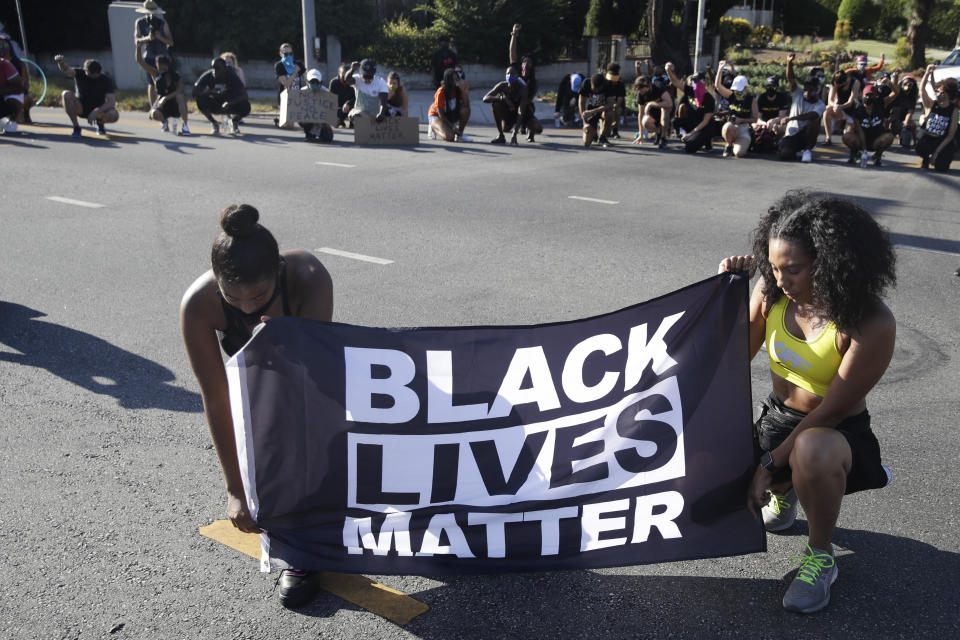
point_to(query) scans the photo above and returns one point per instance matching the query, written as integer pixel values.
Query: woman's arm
(200, 340)
(758, 308)
(718, 81)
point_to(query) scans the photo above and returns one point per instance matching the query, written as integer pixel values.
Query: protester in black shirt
(938, 144)
(528, 75)
(442, 59)
(95, 98)
(655, 105)
(901, 104)
(695, 110)
(597, 103)
(168, 87)
(773, 106)
(345, 95)
(220, 91)
(867, 133)
(508, 100)
(743, 112)
(152, 38)
(565, 111)
(620, 93)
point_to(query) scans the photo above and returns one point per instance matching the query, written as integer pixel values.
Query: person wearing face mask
(802, 124)
(901, 105)
(867, 132)
(845, 93)
(250, 281)
(596, 103)
(695, 111)
(620, 92)
(773, 106)
(863, 72)
(653, 101)
(736, 131)
(450, 110)
(370, 90)
(289, 73)
(315, 131)
(508, 101)
(938, 144)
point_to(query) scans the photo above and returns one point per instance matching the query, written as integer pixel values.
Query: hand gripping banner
(616, 440)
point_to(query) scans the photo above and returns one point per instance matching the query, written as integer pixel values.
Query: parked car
(949, 68)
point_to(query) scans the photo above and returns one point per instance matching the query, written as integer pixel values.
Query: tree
(669, 42)
(606, 17)
(917, 32)
(860, 13)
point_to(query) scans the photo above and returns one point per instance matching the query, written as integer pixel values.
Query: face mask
(739, 95)
(393, 85)
(613, 78)
(460, 74)
(771, 91)
(287, 57)
(315, 85)
(810, 96)
(509, 78)
(699, 91)
(870, 100)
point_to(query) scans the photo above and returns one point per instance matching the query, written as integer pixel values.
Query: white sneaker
(184, 130)
(431, 134)
(164, 126)
(806, 156)
(173, 129)
(11, 126)
(465, 137)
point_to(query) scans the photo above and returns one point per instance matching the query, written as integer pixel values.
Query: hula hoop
(42, 75)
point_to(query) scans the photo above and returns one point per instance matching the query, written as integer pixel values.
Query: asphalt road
(107, 466)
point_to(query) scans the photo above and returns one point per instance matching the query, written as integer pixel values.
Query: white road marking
(337, 164)
(914, 248)
(79, 203)
(593, 200)
(354, 256)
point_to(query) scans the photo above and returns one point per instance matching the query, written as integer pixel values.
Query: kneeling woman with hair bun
(250, 281)
(824, 266)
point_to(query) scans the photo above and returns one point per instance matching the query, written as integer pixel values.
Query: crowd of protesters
(865, 106)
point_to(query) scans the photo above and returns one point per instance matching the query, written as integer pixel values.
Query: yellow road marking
(376, 598)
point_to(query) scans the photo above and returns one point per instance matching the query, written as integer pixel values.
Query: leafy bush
(841, 33)
(402, 45)
(734, 31)
(902, 53)
(892, 20)
(761, 36)
(737, 55)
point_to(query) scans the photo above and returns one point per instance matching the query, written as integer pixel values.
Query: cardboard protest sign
(305, 105)
(392, 131)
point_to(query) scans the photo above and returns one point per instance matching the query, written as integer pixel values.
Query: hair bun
(239, 220)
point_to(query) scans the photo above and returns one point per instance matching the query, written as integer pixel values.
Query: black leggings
(928, 144)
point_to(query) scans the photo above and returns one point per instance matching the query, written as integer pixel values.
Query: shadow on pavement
(889, 587)
(90, 362)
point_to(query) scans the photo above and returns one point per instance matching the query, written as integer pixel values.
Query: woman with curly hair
(250, 281)
(824, 266)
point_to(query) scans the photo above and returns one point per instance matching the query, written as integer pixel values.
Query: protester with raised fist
(250, 281)
(824, 266)
(94, 97)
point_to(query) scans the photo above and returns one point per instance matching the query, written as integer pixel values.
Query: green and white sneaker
(810, 589)
(781, 511)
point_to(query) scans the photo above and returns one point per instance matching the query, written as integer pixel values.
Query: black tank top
(238, 331)
(938, 122)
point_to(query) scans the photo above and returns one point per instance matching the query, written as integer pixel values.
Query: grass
(127, 99)
(875, 47)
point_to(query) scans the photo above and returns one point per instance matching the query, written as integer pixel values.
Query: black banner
(616, 440)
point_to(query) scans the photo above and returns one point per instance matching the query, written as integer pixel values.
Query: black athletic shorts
(777, 421)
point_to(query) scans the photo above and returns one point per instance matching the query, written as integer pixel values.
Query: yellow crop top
(809, 364)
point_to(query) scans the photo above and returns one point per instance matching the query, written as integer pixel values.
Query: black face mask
(254, 316)
(771, 91)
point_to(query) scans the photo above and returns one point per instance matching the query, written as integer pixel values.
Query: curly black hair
(853, 259)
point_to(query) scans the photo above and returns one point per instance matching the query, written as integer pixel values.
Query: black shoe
(853, 158)
(877, 160)
(101, 130)
(309, 137)
(708, 146)
(728, 151)
(662, 141)
(603, 141)
(827, 142)
(297, 587)
(530, 137)
(499, 140)
(925, 163)
(615, 133)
